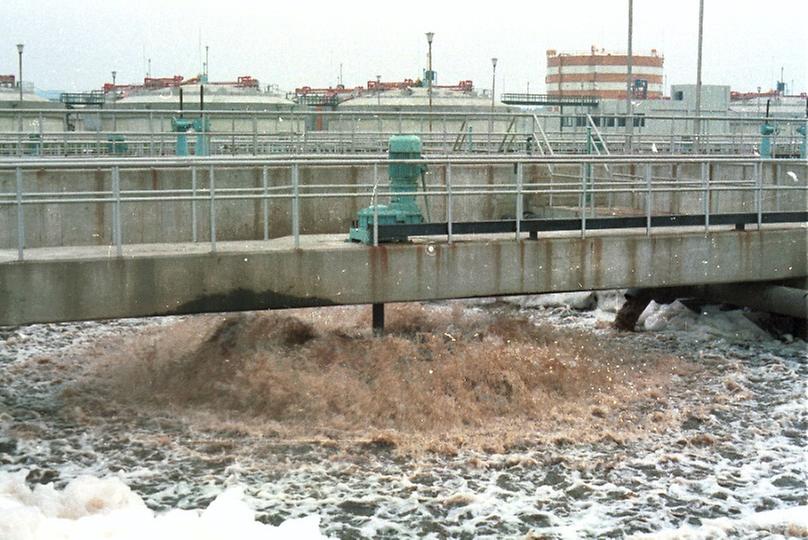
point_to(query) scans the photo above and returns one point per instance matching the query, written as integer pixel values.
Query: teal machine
(766, 132)
(402, 207)
(181, 126)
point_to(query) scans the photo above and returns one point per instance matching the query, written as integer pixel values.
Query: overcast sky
(74, 45)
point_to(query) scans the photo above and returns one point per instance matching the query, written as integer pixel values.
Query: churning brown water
(466, 419)
(487, 378)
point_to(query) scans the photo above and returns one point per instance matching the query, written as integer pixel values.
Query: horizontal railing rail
(573, 178)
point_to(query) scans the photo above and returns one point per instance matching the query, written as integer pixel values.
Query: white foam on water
(93, 508)
(657, 486)
(709, 323)
(784, 522)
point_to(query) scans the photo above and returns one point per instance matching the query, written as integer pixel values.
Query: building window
(679, 95)
(568, 121)
(609, 121)
(639, 120)
(621, 121)
(580, 121)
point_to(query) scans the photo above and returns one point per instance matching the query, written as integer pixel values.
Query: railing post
(519, 200)
(381, 136)
(449, 201)
(151, 133)
(375, 204)
(353, 134)
(98, 135)
(648, 199)
(233, 136)
(41, 137)
(583, 200)
(776, 183)
(265, 201)
(20, 218)
(193, 204)
(255, 134)
(705, 181)
(116, 214)
(19, 133)
(445, 136)
(759, 182)
(64, 135)
(212, 190)
(296, 204)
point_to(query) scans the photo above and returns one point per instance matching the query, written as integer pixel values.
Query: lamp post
(114, 75)
(429, 37)
(19, 50)
(378, 91)
(493, 82)
(629, 77)
(697, 123)
(493, 93)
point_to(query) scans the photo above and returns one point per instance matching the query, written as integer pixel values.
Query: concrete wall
(88, 283)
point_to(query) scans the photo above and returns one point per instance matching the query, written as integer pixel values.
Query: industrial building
(604, 74)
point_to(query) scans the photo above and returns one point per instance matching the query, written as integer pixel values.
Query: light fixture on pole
(114, 75)
(429, 37)
(378, 90)
(19, 50)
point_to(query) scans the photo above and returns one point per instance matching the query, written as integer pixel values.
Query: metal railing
(49, 132)
(644, 177)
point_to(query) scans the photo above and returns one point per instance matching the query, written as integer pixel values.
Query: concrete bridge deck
(91, 282)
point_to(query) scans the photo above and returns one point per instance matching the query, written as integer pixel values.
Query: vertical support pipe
(519, 200)
(378, 319)
(648, 199)
(193, 205)
(449, 201)
(116, 211)
(296, 205)
(20, 218)
(265, 201)
(212, 190)
(582, 200)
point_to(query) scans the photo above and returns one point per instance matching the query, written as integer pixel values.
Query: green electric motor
(402, 208)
